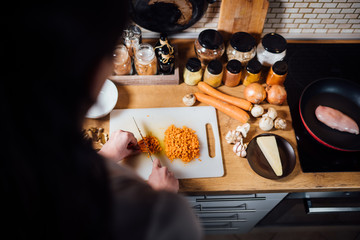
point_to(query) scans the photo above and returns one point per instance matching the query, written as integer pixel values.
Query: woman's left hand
(121, 144)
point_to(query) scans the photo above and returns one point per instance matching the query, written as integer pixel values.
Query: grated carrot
(181, 143)
(152, 143)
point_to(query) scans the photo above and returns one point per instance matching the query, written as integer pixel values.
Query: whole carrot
(230, 110)
(241, 103)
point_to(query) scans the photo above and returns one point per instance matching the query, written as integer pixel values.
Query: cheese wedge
(270, 150)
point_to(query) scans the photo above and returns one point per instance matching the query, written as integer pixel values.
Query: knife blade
(143, 140)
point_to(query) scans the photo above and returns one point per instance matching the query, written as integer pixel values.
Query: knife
(143, 140)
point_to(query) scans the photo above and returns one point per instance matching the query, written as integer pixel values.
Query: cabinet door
(233, 213)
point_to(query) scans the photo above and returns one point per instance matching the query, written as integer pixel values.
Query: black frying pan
(337, 93)
(164, 16)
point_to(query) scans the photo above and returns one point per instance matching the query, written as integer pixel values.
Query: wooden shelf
(172, 79)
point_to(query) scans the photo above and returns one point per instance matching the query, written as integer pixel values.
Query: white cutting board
(156, 121)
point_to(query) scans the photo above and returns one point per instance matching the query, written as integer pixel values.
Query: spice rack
(172, 79)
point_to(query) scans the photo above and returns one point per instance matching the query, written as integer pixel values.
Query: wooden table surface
(239, 177)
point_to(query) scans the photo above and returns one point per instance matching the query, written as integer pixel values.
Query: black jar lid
(210, 39)
(274, 43)
(193, 65)
(280, 67)
(254, 66)
(215, 67)
(242, 41)
(234, 66)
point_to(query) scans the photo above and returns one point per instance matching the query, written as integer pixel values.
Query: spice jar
(242, 46)
(209, 46)
(145, 60)
(122, 61)
(277, 73)
(192, 71)
(232, 74)
(271, 49)
(213, 73)
(253, 72)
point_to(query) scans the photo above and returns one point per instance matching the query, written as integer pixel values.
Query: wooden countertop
(239, 177)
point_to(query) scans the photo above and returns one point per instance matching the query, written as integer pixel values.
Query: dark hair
(53, 185)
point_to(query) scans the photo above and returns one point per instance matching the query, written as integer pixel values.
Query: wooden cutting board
(155, 121)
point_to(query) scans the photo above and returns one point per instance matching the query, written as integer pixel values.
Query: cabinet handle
(239, 209)
(205, 199)
(311, 210)
(220, 229)
(223, 227)
(233, 218)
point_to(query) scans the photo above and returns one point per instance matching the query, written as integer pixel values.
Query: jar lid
(280, 67)
(254, 66)
(234, 66)
(215, 67)
(210, 39)
(242, 41)
(274, 43)
(193, 65)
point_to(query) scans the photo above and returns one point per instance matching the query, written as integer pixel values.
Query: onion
(255, 93)
(276, 94)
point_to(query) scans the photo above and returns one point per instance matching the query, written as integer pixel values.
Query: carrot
(181, 143)
(230, 110)
(241, 103)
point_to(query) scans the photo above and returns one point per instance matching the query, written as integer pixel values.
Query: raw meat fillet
(335, 119)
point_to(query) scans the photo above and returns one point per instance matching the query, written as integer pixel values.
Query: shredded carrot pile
(152, 143)
(181, 143)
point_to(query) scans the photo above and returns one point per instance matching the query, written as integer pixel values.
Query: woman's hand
(120, 145)
(162, 179)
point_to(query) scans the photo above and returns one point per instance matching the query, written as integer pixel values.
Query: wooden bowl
(261, 166)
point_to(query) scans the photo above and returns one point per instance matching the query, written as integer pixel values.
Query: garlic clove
(243, 129)
(243, 154)
(189, 99)
(236, 146)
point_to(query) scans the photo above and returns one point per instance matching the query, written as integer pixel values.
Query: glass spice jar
(213, 73)
(192, 72)
(277, 73)
(271, 49)
(232, 74)
(122, 61)
(253, 72)
(242, 46)
(145, 60)
(209, 46)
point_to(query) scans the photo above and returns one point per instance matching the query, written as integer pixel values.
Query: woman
(53, 185)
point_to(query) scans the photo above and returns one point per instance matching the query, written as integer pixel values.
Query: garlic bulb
(189, 99)
(233, 136)
(257, 110)
(243, 129)
(266, 123)
(240, 149)
(280, 123)
(271, 113)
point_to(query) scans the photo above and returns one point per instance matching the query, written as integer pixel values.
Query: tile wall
(295, 19)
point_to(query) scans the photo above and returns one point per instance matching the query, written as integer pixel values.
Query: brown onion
(276, 94)
(255, 93)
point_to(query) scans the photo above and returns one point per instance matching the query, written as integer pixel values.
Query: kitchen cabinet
(237, 213)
